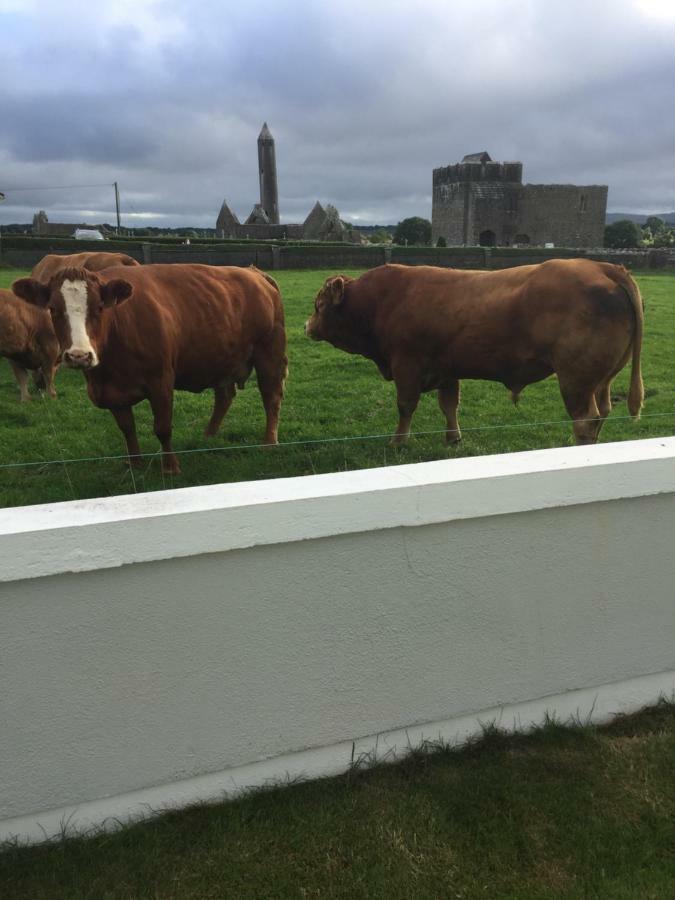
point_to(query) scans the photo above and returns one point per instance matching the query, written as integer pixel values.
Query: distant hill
(668, 218)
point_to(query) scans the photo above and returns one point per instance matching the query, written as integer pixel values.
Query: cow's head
(328, 322)
(77, 301)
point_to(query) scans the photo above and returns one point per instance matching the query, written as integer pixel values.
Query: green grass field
(570, 813)
(334, 403)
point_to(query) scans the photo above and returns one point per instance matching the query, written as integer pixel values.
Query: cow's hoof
(171, 469)
(452, 437)
(209, 431)
(134, 462)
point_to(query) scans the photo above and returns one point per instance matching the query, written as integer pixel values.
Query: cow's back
(92, 261)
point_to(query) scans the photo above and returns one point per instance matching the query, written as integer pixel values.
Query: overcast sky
(363, 98)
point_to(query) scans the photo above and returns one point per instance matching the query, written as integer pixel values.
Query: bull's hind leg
(448, 400)
(603, 399)
(124, 416)
(21, 376)
(224, 394)
(271, 368)
(582, 407)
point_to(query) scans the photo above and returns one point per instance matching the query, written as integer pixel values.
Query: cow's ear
(336, 287)
(32, 291)
(115, 291)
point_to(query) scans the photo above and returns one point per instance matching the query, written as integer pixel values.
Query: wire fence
(303, 442)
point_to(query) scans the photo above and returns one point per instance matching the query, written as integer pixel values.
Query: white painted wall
(157, 649)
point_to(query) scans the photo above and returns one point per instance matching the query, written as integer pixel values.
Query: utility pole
(2, 197)
(117, 205)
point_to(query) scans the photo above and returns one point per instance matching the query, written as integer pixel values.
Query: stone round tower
(267, 169)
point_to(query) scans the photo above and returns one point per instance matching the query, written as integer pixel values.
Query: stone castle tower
(267, 170)
(480, 201)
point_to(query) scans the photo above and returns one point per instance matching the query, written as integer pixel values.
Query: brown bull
(94, 262)
(139, 333)
(28, 341)
(427, 328)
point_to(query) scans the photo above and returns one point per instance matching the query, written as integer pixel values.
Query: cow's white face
(81, 353)
(77, 301)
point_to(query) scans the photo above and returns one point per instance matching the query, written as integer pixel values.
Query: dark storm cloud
(363, 99)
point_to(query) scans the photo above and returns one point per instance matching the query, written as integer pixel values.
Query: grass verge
(566, 811)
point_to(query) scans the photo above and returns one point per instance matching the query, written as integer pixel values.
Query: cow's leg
(47, 373)
(582, 407)
(407, 397)
(124, 416)
(21, 376)
(223, 396)
(603, 399)
(448, 400)
(271, 368)
(162, 410)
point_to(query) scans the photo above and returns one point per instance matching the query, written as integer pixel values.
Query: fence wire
(232, 448)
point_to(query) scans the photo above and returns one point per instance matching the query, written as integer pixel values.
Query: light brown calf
(28, 341)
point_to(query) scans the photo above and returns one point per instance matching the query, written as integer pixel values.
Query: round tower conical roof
(265, 133)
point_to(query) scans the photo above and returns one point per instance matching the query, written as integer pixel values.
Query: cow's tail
(636, 392)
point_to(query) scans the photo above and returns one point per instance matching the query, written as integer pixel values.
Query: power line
(65, 187)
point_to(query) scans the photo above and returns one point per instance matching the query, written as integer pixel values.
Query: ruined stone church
(263, 223)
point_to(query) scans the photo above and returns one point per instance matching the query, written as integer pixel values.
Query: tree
(380, 236)
(441, 242)
(622, 235)
(665, 238)
(655, 224)
(414, 230)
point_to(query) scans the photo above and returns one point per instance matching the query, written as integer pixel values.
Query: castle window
(583, 201)
(487, 239)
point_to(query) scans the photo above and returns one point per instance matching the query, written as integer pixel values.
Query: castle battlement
(508, 172)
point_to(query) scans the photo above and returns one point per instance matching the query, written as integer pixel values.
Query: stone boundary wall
(162, 649)
(279, 256)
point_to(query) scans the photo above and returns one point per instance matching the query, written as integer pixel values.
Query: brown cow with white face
(28, 341)
(92, 261)
(426, 328)
(139, 333)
